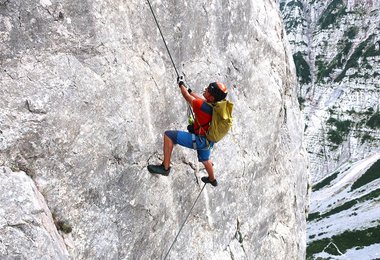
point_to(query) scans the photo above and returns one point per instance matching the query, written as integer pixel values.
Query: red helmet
(218, 90)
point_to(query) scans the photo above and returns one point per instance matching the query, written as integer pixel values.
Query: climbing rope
(188, 112)
(184, 222)
(159, 28)
(171, 58)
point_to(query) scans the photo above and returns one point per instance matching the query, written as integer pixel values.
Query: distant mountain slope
(336, 49)
(344, 217)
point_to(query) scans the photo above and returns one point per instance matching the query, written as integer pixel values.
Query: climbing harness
(193, 138)
(184, 222)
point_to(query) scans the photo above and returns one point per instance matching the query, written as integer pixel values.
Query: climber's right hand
(180, 81)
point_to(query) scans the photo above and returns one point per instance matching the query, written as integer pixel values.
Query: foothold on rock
(35, 107)
(64, 226)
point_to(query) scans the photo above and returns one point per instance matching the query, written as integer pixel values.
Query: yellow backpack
(221, 121)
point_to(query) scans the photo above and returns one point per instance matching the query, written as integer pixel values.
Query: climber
(195, 138)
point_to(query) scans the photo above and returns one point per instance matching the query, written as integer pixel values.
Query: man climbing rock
(196, 137)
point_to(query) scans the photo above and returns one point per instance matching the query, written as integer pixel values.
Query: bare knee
(208, 163)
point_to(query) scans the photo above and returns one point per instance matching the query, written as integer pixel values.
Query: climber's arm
(187, 96)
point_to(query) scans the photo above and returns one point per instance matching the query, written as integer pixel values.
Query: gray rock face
(87, 90)
(27, 229)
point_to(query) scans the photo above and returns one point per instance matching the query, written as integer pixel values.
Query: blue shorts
(185, 139)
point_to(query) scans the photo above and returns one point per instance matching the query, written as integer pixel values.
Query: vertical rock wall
(87, 90)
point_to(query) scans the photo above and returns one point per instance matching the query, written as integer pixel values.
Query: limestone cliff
(87, 90)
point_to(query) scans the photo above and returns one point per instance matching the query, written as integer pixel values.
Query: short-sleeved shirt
(203, 116)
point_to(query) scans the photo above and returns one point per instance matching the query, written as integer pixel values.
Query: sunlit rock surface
(87, 90)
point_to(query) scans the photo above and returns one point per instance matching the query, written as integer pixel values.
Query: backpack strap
(201, 126)
(208, 123)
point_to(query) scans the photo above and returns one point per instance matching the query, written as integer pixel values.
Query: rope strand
(159, 28)
(171, 58)
(184, 222)
(192, 114)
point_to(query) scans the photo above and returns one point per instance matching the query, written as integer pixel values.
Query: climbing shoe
(207, 180)
(158, 169)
